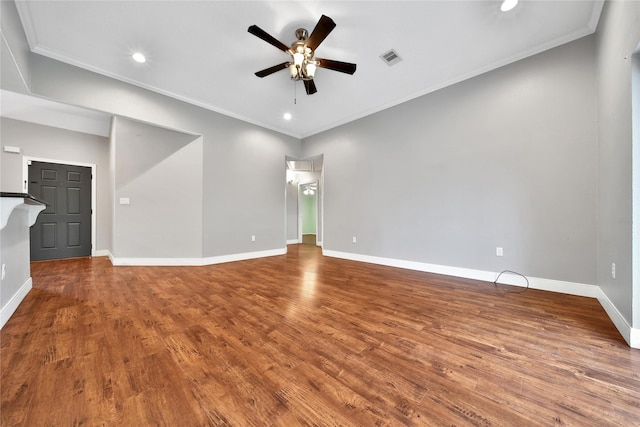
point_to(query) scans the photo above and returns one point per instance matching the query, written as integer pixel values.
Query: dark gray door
(63, 229)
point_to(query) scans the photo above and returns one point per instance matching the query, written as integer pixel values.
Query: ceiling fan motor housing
(302, 34)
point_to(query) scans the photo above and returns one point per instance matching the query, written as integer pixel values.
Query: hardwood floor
(309, 239)
(304, 340)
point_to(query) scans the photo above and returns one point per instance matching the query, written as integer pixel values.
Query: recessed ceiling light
(287, 116)
(507, 5)
(139, 57)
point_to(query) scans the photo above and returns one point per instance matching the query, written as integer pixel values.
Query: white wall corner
(11, 306)
(628, 333)
(634, 339)
(111, 258)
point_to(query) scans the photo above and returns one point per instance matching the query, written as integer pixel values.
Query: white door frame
(26, 161)
(635, 198)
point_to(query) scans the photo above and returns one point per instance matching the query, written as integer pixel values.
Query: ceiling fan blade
(343, 67)
(260, 33)
(310, 87)
(271, 70)
(324, 26)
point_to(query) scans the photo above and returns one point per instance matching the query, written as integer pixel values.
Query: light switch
(10, 149)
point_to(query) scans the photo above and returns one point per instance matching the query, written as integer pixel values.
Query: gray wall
(14, 254)
(160, 172)
(618, 36)
(67, 146)
(242, 165)
(292, 211)
(505, 159)
(244, 192)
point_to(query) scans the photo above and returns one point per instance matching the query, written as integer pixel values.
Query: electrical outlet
(613, 270)
(499, 251)
(354, 240)
(253, 238)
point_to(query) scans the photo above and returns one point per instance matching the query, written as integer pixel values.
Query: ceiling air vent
(391, 57)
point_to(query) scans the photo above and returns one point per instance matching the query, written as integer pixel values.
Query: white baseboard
(194, 261)
(10, 307)
(243, 256)
(572, 288)
(102, 252)
(413, 265)
(631, 335)
(634, 338)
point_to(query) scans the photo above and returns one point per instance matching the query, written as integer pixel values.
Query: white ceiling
(201, 52)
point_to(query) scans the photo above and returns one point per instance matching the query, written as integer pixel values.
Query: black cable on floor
(495, 282)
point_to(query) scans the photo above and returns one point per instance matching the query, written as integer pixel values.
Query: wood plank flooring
(304, 340)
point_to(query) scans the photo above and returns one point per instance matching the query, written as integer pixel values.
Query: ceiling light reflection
(507, 5)
(139, 57)
(308, 285)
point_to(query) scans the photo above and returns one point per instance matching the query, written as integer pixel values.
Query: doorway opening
(67, 227)
(304, 199)
(308, 213)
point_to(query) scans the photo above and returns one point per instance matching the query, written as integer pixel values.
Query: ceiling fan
(303, 63)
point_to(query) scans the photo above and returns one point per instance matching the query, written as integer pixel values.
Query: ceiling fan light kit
(303, 63)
